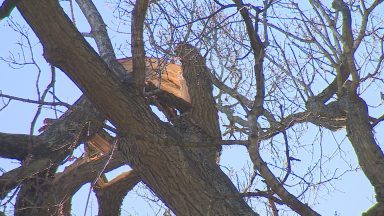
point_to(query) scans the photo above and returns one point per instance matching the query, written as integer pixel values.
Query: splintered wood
(172, 93)
(162, 75)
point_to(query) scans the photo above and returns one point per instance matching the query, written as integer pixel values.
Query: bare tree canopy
(172, 88)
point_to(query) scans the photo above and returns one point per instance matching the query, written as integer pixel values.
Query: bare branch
(15, 146)
(258, 52)
(100, 34)
(138, 52)
(348, 52)
(45, 103)
(276, 186)
(110, 195)
(364, 22)
(51, 147)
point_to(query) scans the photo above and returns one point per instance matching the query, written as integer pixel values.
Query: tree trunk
(369, 154)
(186, 184)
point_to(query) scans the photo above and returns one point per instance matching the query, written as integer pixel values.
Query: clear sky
(350, 195)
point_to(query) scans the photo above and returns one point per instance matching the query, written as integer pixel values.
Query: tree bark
(137, 43)
(38, 194)
(202, 118)
(110, 195)
(369, 154)
(186, 184)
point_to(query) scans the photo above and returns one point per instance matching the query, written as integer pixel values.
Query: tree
(269, 72)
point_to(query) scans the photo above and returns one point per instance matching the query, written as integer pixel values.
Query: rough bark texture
(203, 112)
(202, 119)
(47, 194)
(369, 154)
(100, 34)
(8, 148)
(110, 195)
(177, 159)
(186, 184)
(137, 28)
(36, 175)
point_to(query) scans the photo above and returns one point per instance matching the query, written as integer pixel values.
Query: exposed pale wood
(100, 143)
(164, 75)
(187, 185)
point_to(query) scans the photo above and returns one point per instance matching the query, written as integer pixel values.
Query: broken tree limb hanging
(166, 80)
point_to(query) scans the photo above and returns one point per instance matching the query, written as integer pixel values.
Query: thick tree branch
(56, 191)
(203, 111)
(35, 102)
(293, 202)
(184, 182)
(83, 171)
(110, 195)
(190, 175)
(348, 52)
(369, 153)
(15, 146)
(258, 53)
(11, 179)
(138, 52)
(72, 54)
(53, 145)
(7, 7)
(100, 34)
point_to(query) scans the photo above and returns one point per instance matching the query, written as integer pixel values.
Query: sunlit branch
(100, 34)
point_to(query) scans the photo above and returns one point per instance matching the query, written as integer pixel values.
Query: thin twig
(10, 97)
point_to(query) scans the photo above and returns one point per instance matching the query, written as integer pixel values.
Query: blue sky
(350, 195)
